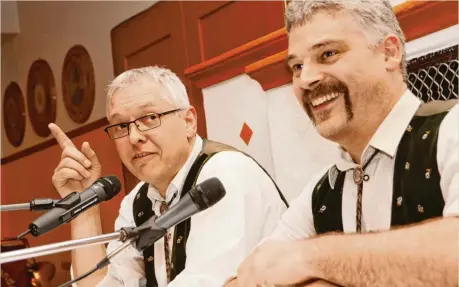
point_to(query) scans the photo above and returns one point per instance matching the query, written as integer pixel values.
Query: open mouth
(323, 101)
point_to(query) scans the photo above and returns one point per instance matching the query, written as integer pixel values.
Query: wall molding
(232, 63)
(270, 71)
(51, 142)
(421, 18)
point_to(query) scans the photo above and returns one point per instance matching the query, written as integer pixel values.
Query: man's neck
(358, 136)
(164, 185)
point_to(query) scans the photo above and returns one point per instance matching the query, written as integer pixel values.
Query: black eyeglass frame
(159, 115)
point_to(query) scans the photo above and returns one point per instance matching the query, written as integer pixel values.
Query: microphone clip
(145, 234)
(69, 201)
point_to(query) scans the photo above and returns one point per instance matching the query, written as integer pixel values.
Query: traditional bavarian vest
(143, 205)
(417, 194)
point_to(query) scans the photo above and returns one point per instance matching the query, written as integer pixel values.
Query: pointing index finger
(62, 139)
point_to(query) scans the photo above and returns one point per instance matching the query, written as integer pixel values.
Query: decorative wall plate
(41, 97)
(78, 87)
(14, 114)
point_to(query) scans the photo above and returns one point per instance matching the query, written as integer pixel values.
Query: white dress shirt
(298, 223)
(220, 237)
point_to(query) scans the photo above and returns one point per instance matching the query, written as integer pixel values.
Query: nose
(136, 136)
(310, 77)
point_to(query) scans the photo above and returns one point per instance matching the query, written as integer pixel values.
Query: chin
(329, 129)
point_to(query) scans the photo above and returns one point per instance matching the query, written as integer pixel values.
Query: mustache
(324, 89)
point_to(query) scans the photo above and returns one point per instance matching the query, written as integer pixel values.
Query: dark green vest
(143, 210)
(417, 194)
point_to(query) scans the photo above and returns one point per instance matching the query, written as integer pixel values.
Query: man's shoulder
(234, 160)
(129, 198)
(451, 119)
(318, 179)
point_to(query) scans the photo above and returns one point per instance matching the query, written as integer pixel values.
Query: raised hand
(77, 169)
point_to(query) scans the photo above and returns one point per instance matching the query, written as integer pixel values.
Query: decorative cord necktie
(359, 177)
(167, 252)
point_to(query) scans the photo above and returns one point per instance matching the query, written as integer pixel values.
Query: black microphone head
(207, 193)
(111, 185)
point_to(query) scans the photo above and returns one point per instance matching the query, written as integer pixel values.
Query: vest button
(140, 214)
(149, 259)
(179, 239)
(407, 165)
(399, 201)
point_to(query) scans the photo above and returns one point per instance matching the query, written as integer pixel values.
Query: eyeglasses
(145, 123)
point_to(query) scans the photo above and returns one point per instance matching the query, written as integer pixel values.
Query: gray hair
(176, 95)
(376, 18)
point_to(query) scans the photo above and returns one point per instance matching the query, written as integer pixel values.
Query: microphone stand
(144, 235)
(16, 255)
(34, 205)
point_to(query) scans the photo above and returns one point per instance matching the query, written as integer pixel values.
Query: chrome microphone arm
(144, 235)
(21, 254)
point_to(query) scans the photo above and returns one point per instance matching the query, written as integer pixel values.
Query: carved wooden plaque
(14, 114)
(78, 87)
(41, 97)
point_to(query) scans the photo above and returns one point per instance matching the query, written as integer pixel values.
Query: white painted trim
(433, 42)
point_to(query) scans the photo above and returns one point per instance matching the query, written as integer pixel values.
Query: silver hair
(176, 95)
(376, 18)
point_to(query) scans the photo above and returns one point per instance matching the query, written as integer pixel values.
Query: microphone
(75, 203)
(201, 197)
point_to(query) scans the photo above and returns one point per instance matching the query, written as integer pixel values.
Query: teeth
(323, 99)
(141, 154)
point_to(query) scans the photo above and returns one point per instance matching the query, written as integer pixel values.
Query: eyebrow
(143, 106)
(316, 46)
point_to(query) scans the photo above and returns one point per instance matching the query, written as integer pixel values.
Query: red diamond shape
(246, 133)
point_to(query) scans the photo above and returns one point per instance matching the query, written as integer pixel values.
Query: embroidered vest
(417, 194)
(143, 210)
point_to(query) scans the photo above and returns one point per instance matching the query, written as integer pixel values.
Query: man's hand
(285, 262)
(77, 170)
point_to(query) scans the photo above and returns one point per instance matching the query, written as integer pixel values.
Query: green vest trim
(143, 206)
(417, 194)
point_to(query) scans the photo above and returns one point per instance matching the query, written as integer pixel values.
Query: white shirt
(297, 222)
(220, 237)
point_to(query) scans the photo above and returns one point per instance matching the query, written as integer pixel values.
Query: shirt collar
(390, 132)
(386, 138)
(178, 181)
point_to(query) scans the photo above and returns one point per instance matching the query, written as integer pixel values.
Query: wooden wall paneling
(420, 18)
(216, 27)
(270, 72)
(153, 37)
(417, 19)
(233, 62)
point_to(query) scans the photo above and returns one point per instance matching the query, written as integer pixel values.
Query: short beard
(334, 86)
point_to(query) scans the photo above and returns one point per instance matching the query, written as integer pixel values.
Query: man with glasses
(153, 128)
